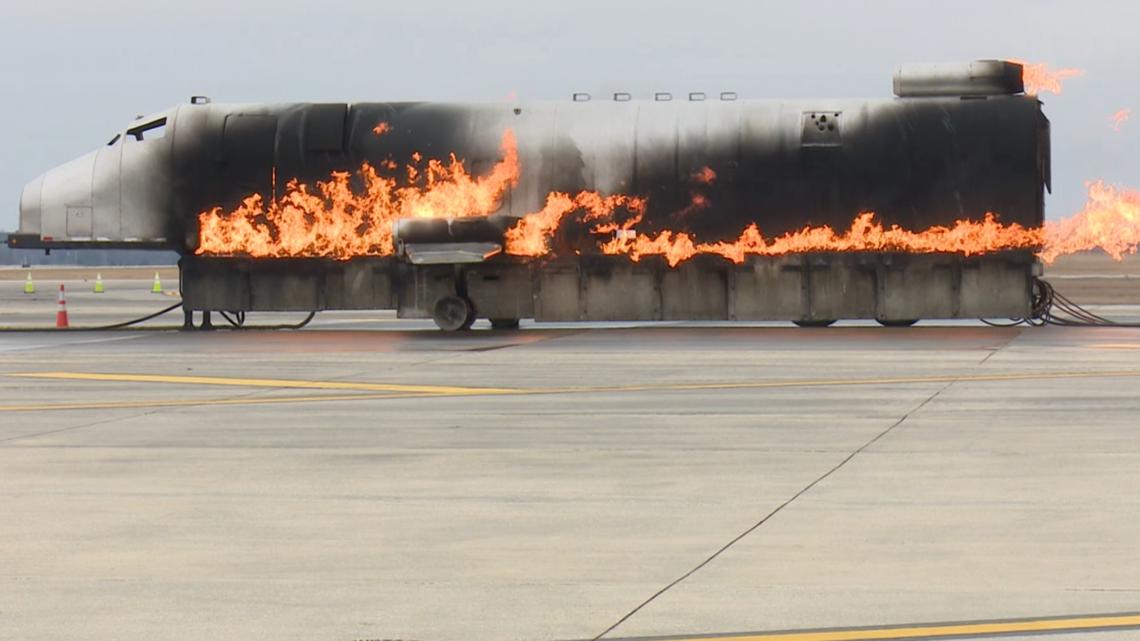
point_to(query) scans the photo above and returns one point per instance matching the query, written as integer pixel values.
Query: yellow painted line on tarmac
(267, 382)
(1089, 623)
(391, 391)
(159, 403)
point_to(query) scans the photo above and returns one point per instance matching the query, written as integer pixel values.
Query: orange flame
(532, 235)
(1109, 221)
(705, 175)
(335, 221)
(966, 237)
(1039, 76)
(1118, 119)
(381, 128)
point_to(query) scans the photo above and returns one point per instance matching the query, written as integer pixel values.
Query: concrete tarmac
(398, 483)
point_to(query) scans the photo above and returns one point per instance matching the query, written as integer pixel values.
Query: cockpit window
(114, 140)
(149, 131)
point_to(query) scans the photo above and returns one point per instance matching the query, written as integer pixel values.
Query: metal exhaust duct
(978, 78)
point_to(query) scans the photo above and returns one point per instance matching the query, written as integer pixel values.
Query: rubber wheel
(471, 318)
(453, 313)
(814, 323)
(504, 323)
(897, 323)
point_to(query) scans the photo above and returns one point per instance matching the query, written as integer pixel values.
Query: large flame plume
(1109, 221)
(339, 221)
(336, 221)
(1040, 77)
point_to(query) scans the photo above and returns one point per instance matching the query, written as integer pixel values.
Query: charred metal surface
(916, 162)
(452, 230)
(801, 287)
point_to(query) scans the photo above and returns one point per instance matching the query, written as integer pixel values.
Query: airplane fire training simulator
(589, 321)
(928, 205)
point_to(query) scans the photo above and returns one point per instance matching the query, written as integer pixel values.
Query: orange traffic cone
(61, 315)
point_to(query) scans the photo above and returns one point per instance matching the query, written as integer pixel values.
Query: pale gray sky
(76, 71)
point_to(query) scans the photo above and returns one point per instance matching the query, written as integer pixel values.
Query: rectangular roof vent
(978, 78)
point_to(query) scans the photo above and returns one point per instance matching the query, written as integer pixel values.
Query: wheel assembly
(897, 323)
(470, 320)
(453, 313)
(814, 323)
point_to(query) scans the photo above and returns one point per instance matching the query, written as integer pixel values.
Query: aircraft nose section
(65, 203)
(30, 209)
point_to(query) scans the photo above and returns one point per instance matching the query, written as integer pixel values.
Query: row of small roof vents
(969, 79)
(660, 96)
(980, 77)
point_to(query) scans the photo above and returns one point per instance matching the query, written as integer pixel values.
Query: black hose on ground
(237, 321)
(1053, 308)
(97, 328)
(135, 321)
